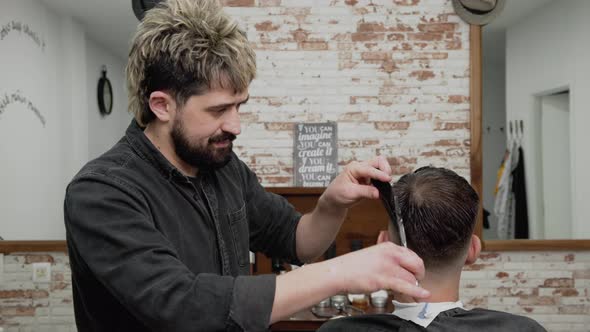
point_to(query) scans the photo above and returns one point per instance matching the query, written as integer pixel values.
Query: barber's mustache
(222, 137)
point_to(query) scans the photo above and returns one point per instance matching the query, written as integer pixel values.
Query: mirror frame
(476, 158)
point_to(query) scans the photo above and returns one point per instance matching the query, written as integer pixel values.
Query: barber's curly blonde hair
(185, 47)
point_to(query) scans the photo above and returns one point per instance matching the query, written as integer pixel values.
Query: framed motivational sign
(315, 154)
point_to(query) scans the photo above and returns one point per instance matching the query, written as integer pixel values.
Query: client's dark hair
(439, 209)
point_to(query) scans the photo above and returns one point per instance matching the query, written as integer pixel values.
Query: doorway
(554, 151)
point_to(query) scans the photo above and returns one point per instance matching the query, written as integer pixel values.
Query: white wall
(547, 51)
(50, 70)
(104, 131)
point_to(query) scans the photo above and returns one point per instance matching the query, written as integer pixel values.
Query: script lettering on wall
(315, 154)
(17, 97)
(22, 28)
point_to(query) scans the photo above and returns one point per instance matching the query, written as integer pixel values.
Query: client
(439, 210)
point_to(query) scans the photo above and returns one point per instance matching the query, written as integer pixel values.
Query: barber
(160, 226)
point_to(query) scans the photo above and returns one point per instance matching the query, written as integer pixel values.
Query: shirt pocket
(240, 235)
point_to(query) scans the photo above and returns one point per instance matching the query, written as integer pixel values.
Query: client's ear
(474, 250)
(383, 237)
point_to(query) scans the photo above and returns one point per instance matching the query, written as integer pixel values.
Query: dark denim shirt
(452, 320)
(152, 250)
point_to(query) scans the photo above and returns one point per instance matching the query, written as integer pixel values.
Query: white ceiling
(111, 23)
(494, 34)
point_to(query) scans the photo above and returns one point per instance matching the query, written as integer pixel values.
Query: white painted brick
(502, 301)
(566, 318)
(14, 259)
(517, 266)
(55, 320)
(61, 293)
(304, 3)
(42, 311)
(566, 300)
(531, 274)
(17, 276)
(33, 328)
(582, 256)
(17, 268)
(62, 311)
(335, 12)
(21, 284)
(474, 275)
(467, 293)
(15, 302)
(537, 310)
(43, 302)
(558, 327)
(21, 320)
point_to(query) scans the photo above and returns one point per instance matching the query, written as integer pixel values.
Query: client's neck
(443, 287)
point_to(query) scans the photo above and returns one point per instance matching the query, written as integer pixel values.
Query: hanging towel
(503, 195)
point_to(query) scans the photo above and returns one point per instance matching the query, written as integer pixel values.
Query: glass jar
(360, 301)
(338, 301)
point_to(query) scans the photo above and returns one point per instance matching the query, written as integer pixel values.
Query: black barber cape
(456, 320)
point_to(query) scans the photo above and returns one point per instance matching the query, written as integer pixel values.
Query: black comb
(385, 194)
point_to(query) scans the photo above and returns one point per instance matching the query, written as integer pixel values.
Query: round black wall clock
(104, 94)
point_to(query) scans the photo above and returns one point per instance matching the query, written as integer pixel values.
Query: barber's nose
(231, 122)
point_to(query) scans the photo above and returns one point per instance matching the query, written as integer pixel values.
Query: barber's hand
(354, 182)
(383, 266)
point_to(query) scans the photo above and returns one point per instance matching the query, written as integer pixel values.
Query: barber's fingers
(383, 266)
(403, 274)
(363, 172)
(406, 267)
(381, 163)
(355, 181)
(410, 261)
(402, 286)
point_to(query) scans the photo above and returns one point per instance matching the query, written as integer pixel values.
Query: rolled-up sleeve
(252, 301)
(110, 229)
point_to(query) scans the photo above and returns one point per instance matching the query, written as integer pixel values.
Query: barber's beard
(201, 157)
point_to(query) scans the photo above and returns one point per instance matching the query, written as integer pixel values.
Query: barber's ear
(162, 105)
(383, 237)
(474, 250)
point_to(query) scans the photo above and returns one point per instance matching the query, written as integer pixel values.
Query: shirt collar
(144, 147)
(422, 313)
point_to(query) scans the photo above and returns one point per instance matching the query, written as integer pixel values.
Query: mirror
(532, 102)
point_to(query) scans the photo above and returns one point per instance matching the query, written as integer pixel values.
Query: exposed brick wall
(552, 288)
(29, 306)
(394, 75)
